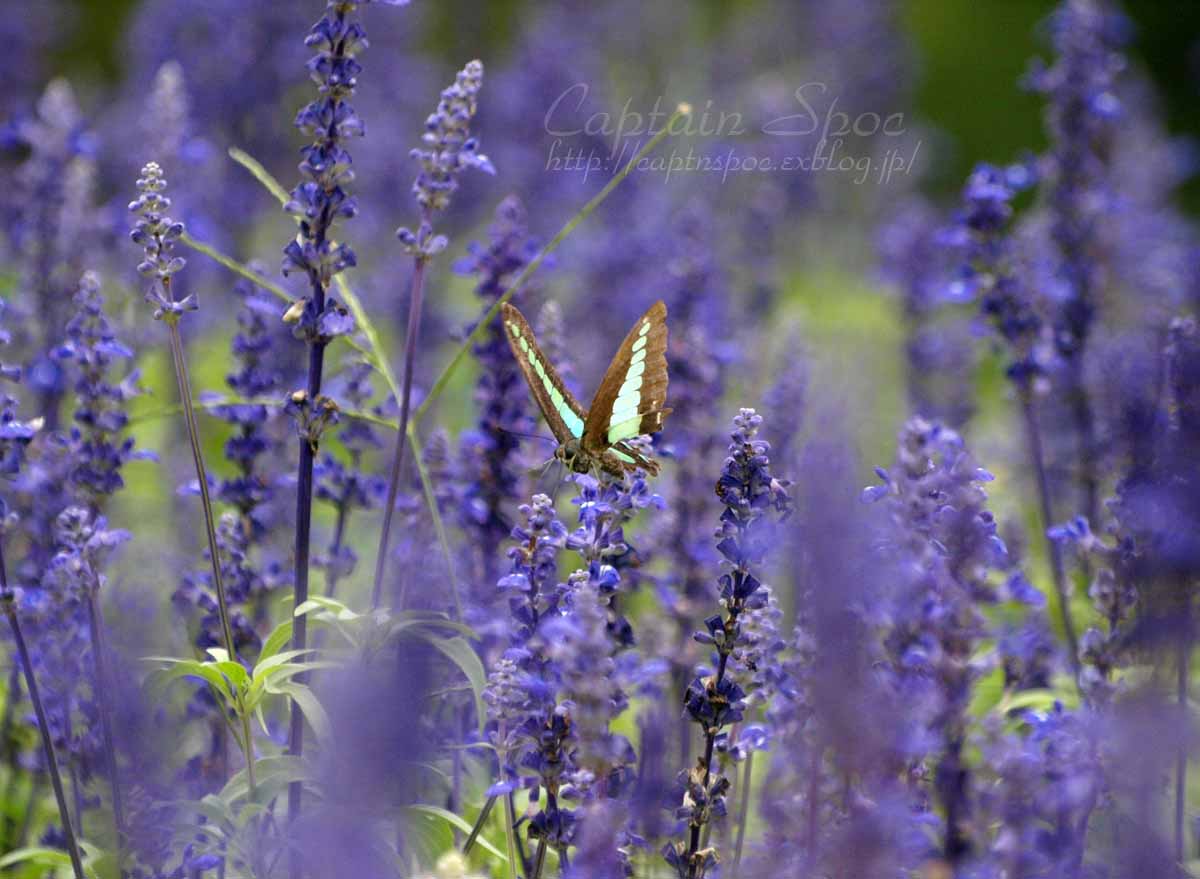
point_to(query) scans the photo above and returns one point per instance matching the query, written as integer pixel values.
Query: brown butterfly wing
(632, 397)
(559, 406)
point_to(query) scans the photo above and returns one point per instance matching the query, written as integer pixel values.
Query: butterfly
(629, 403)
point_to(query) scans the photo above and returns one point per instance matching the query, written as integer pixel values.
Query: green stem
(210, 530)
(1038, 458)
(416, 297)
(100, 661)
(477, 828)
(510, 820)
(438, 527)
(189, 415)
(10, 610)
(743, 817)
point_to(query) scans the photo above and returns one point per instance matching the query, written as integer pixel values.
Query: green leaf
(1037, 700)
(282, 769)
(433, 626)
(37, 855)
(236, 673)
(310, 707)
(187, 668)
(320, 602)
(988, 692)
(280, 635)
(460, 823)
(265, 666)
(463, 655)
(261, 174)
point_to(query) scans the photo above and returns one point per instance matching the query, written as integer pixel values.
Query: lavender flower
(489, 464)
(51, 231)
(938, 347)
(257, 351)
(91, 350)
(157, 233)
(1082, 117)
(449, 149)
(715, 700)
(949, 537)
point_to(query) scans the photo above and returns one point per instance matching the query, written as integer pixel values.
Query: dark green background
(971, 54)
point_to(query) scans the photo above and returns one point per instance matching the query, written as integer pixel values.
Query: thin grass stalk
(539, 860)
(184, 382)
(743, 816)
(510, 842)
(1181, 759)
(1038, 459)
(12, 694)
(412, 333)
(10, 610)
(477, 827)
(100, 661)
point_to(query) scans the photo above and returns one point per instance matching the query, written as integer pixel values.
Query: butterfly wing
(634, 390)
(559, 406)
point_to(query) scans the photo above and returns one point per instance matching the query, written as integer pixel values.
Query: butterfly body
(629, 403)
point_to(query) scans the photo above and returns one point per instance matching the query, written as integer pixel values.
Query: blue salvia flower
(531, 584)
(321, 200)
(246, 591)
(449, 149)
(257, 353)
(715, 699)
(490, 468)
(157, 233)
(1082, 117)
(949, 539)
(50, 231)
(91, 351)
(600, 850)
(938, 349)
(166, 116)
(15, 435)
(521, 687)
(591, 682)
(1045, 782)
(604, 509)
(988, 272)
(72, 581)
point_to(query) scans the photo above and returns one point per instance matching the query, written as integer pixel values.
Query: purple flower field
(595, 441)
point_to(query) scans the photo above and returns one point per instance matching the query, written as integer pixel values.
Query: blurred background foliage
(971, 55)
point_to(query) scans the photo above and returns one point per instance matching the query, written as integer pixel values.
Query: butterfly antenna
(536, 436)
(559, 474)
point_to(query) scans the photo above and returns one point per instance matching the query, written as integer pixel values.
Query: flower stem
(43, 724)
(189, 415)
(539, 860)
(477, 828)
(510, 842)
(1181, 760)
(743, 816)
(420, 263)
(304, 498)
(1038, 459)
(100, 661)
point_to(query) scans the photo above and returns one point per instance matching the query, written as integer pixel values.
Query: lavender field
(727, 439)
